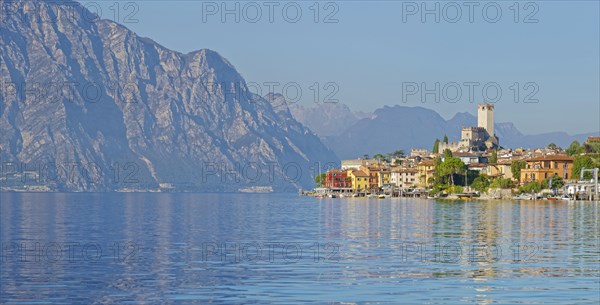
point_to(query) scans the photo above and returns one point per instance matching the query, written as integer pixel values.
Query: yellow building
(360, 180)
(540, 168)
(425, 169)
(379, 175)
(500, 169)
(383, 177)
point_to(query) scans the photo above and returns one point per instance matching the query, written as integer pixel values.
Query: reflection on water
(230, 248)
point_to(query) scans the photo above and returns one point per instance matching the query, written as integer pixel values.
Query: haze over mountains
(128, 113)
(401, 127)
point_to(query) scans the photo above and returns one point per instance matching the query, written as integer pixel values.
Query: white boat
(523, 197)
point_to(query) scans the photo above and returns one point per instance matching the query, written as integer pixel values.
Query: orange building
(540, 168)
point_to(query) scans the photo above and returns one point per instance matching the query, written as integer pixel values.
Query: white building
(404, 177)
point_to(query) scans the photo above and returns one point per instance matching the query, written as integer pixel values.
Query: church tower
(485, 118)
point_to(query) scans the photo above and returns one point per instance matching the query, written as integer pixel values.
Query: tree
(494, 157)
(481, 183)
(445, 139)
(579, 163)
(397, 153)
(320, 180)
(502, 183)
(557, 182)
(380, 157)
(436, 146)
(450, 167)
(530, 187)
(515, 168)
(574, 148)
(552, 146)
(366, 156)
(447, 153)
(398, 162)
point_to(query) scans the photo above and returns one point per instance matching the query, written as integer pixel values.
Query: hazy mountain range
(401, 127)
(127, 112)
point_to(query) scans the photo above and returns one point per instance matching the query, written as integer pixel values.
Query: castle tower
(485, 118)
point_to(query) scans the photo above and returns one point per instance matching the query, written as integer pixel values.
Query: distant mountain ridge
(402, 127)
(326, 119)
(182, 122)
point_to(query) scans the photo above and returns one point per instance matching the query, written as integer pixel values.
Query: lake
(286, 249)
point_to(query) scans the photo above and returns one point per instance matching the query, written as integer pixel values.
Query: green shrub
(531, 186)
(481, 184)
(502, 183)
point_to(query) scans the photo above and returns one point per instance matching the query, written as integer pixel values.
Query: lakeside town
(477, 166)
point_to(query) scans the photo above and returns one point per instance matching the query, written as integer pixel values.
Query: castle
(478, 138)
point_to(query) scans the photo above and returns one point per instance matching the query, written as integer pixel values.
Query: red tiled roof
(550, 158)
(359, 174)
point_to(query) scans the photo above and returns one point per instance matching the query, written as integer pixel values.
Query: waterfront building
(359, 180)
(404, 177)
(336, 179)
(543, 167)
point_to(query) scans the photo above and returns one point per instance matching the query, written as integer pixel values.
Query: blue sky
(371, 52)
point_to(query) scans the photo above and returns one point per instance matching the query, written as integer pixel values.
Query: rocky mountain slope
(87, 105)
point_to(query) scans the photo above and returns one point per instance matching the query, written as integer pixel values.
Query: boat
(383, 196)
(523, 197)
(257, 189)
(466, 196)
(332, 196)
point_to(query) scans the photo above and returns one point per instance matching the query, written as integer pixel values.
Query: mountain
(391, 128)
(326, 119)
(401, 127)
(88, 105)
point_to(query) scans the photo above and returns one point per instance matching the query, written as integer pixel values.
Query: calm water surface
(281, 248)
